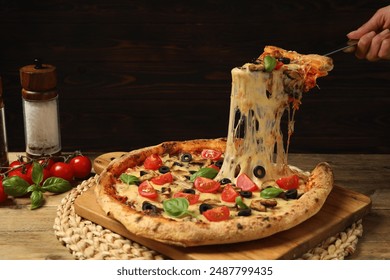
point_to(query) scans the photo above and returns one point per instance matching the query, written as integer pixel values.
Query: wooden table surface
(29, 234)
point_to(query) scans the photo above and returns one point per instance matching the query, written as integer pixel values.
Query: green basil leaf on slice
(56, 185)
(271, 192)
(129, 179)
(15, 186)
(206, 172)
(176, 207)
(269, 63)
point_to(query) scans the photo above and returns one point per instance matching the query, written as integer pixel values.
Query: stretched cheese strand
(258, 102)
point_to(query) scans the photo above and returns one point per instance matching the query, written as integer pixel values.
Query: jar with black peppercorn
(40, 109)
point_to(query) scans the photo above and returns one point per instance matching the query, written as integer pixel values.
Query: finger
(371, 25)
(364, 44)
(376, 45)
(377, 22)
(384, 52)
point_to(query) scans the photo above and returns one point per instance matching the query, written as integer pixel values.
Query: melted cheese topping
(180, 172)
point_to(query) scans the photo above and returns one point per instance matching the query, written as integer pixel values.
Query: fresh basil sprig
(16, 186)
(177, 207)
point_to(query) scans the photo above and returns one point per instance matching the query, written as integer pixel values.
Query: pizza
(232, 189)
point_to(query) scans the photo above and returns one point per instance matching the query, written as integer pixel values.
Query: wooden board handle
(102, 161)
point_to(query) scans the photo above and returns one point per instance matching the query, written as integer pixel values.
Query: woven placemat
(87, 240)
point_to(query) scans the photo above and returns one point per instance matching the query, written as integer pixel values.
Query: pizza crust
(190, 233)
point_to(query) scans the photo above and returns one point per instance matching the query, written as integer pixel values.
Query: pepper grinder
(40, 109)
(3, 134)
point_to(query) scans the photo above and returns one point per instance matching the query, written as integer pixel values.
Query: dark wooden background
(136, 73)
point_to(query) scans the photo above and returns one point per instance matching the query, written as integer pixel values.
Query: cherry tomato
(245, 183)
(279, 64)
(19, 173)
(81, 165)
(62, 170)
(153, 162)
(192, 198)
(46, 174)
(46, 163)
(211, 154)
(217, 214)
(3, 195)
(229, 194)
(288, 183)
(206, 185)
(162, 179)
(215, 167)
(145, 189)
(23, 165)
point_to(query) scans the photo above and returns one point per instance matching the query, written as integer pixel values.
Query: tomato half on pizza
(226, 190)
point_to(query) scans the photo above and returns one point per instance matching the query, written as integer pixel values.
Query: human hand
(374, 37)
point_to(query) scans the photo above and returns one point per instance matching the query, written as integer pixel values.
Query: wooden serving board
(342, 208)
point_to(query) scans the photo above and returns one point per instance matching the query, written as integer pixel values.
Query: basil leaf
(15, 186)
(36, 199)
(206, 172)
(129, 179)
(270, 192)
(176, 207)
(269, 63)
(33, 187)
(241, 203)
(37, 173)
(56, 185)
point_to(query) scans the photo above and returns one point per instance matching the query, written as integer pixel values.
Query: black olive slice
(191, 191)
(204, 207)
(291, 194)
(225, 181)
(164, 169)
(259, 171)
(245, 212)
(186, 157)
(219, 163)
(246, 194)
(147, 206)
(284, 60)
(142, 173)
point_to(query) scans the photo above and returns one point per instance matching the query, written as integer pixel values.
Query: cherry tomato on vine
(18, 172)
(47, 163)
(62, 170)
(3, 195)
(23, 166)
(81, 165)
(45, 171)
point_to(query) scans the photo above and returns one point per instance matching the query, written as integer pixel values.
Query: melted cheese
(260, 101)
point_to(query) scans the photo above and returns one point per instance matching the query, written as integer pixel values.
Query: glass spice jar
(40, 110)
(3, 133)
